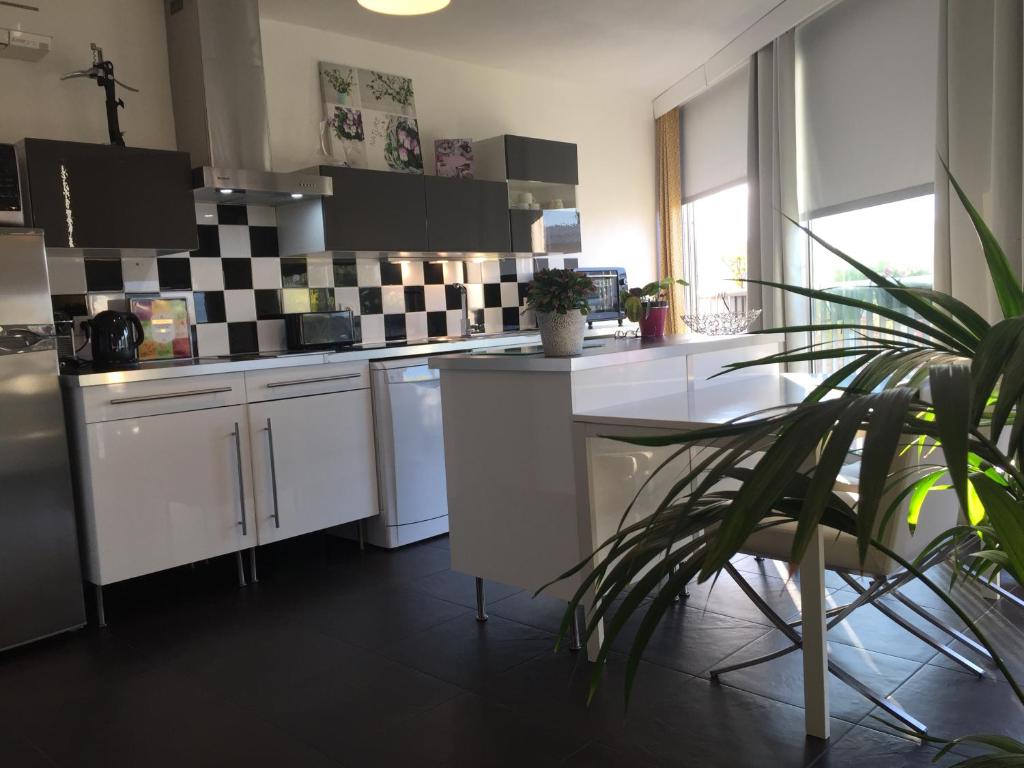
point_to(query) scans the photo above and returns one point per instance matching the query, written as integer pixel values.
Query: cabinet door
(102, 196)
(162, 491)
(541, 160)
(320, 452)
(467, 215)
(374, 211)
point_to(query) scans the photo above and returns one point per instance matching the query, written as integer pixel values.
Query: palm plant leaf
(959, 319)
(1008, 289)
(951, 395)
(976, 376)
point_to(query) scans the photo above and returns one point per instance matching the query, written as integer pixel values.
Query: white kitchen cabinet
(313, 462)
(164, 490)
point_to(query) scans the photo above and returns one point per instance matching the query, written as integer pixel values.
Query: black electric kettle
(115, 336)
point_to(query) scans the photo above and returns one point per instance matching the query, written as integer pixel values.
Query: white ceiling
(642, 45)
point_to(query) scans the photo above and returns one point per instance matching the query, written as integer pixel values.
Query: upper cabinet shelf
(104, 196)
(394, 213)
(519, 158)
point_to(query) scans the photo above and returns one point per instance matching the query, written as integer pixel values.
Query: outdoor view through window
(715, 251)
(895, 239)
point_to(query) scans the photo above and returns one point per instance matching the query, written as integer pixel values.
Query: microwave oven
(605, 303)
(320, 330)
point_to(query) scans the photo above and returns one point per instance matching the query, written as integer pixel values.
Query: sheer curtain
(776, 249)
(979, 130)
(669, 210)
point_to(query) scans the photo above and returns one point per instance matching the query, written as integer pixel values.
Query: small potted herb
(649, 306)
(559, 299)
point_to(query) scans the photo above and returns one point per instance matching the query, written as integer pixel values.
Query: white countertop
(715, 404)
(200, 366)
(598, 353)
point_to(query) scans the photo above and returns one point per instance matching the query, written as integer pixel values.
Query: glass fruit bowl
(721, 323)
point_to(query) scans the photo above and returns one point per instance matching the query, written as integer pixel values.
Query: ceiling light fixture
(404, 7)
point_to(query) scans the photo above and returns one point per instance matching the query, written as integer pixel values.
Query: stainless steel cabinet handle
(273, 474)
(317, 380)
(169, 395)
(241, 485)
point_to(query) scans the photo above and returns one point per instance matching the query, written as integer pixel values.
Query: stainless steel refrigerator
(40, 576)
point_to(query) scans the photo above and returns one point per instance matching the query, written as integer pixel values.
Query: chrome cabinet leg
(575, 635)
(481, 604)
(241, 568)
(252, 565)
(101, 614)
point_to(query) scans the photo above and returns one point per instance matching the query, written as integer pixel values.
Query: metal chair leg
(956, 634)
(779, 622)
(481, 604)
(867, 594)
(919, 634)
(883, 702)
(714, 673)
(1003, 592)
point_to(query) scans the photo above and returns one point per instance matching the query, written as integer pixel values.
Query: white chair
(939, 513)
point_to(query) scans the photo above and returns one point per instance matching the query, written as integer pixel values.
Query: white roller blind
(866, 85)
(713, 136)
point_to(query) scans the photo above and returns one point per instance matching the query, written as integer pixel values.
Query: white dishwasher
(410, 453)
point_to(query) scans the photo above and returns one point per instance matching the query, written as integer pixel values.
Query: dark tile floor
(345, 658)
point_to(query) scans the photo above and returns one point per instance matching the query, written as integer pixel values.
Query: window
(895, 239)
(715, 251)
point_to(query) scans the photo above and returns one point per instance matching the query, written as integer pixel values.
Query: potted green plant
(558, 297)
(973, 409)
(648, 306)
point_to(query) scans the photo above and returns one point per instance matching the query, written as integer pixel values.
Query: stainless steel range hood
(220, 105)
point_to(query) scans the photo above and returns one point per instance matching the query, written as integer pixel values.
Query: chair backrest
(939, 512)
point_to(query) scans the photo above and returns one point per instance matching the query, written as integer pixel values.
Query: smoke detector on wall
(26, 46)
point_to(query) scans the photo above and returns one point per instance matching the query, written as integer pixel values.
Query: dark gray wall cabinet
(540, 160)
(374, 211)
(103, 196)
(467, 215)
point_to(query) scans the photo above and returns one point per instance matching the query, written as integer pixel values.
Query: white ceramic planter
(561, 335)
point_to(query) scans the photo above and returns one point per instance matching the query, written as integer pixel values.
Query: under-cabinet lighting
(227, 191)
(296, 195)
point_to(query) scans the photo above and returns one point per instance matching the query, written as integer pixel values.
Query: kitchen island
(510, 456)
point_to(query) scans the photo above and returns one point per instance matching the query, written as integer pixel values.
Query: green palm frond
(920, 371)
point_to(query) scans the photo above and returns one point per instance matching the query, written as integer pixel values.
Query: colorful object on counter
(165, 327)
(454, 158)
(649, 306)
(370, 119)
(652, 323)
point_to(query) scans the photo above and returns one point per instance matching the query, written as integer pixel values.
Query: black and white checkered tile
(238, 288)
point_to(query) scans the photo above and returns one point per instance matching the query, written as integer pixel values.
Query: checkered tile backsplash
(238, 288)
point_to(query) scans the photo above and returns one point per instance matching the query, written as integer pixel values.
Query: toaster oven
(319, 330)
(605, 303)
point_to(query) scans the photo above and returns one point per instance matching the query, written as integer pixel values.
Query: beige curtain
(670, 221)
(978, 132)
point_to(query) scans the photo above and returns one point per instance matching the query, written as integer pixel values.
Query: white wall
(37, 103)
(613, 130)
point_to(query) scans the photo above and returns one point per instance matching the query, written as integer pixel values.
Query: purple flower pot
(652, 326)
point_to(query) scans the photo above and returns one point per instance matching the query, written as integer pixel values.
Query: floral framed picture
(370, 118)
